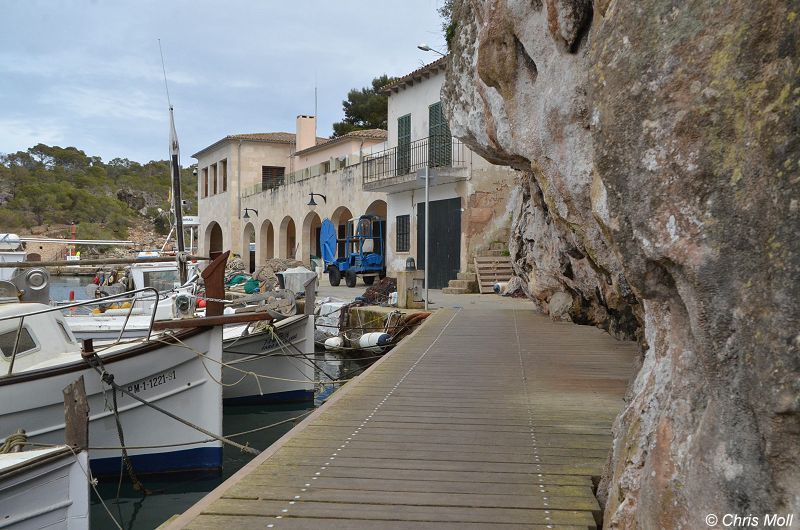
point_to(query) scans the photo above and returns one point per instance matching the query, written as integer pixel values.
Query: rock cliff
(661, 201)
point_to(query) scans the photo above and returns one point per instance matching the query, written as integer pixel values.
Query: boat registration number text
(152, 382)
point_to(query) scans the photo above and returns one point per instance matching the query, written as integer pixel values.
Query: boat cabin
(11, 251)
(45, 339)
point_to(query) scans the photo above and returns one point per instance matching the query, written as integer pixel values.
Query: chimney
(306, 132)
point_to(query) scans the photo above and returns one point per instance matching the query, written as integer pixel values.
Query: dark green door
(445, 247)
(440, 148)
(404, 144)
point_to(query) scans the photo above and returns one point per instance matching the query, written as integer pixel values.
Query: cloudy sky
(88, 73)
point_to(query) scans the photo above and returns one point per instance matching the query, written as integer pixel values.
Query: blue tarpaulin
(327, 240)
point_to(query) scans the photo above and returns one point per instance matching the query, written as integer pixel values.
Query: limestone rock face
(661, 146)
(516, 93)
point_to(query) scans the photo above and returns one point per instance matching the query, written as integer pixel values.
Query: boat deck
(480, 418)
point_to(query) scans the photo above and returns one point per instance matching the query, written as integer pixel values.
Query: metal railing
(433, 151)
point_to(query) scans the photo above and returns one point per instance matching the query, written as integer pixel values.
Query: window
(214, 177)
(223, 169)
(404, 144)
(26, 342)
(67, 333)
(403, 233)
(271, 177)
(205, 182)
(440, 148)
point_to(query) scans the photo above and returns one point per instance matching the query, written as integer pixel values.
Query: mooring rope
(248, 372)
(93, 484)
(86, 472)
(14, 442)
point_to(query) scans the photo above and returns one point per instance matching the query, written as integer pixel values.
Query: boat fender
(374, 339)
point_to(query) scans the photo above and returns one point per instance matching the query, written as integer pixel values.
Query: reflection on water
(60, 286)
(137, 512)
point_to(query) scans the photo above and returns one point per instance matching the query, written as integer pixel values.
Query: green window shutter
(440, 148)
(404, 144)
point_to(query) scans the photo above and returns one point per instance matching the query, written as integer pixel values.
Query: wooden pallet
(492, 269)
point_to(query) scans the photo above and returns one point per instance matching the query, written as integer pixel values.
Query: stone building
(254, 189)
(469, 197)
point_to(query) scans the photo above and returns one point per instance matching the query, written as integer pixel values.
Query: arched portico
(310, 237)
(248, 244)
(287, 238)
(377, 208)
(265, 249)
(339, 218)
(213, 241)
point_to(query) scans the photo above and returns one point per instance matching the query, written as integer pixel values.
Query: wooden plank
(201, 322)
(215, 522)
(256, 484)
(492, 259)
(532, 501)
(76, 415)
(398, 512)
(465, 476)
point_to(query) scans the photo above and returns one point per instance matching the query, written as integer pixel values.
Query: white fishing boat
(11, 251)
(273, 365)
(134, 315)
(44, 488)
(178, 372)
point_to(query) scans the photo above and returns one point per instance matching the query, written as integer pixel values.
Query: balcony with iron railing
(396, 169)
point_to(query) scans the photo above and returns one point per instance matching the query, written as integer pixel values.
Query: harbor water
(134, 510)
(61, 286)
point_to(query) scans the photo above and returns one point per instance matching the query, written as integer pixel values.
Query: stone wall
(659, 143)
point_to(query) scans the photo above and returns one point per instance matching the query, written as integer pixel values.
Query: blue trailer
(364, 250)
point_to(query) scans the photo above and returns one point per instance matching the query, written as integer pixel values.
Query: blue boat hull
(291, 396)
(198, 460)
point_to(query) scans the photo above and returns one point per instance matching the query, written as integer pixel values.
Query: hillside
(46, 188)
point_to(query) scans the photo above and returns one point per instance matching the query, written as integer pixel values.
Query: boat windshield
(162, 280)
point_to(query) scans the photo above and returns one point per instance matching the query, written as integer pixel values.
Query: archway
(377, 208)
(213, 239)
(249, 247)
(266, 242)
(287, 240)
(311, 247)
(339, 218)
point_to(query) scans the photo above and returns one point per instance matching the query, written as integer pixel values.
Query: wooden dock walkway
(482, 418)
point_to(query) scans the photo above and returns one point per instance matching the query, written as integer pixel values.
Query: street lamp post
(427, 229)
(424, 47)
(313, 203)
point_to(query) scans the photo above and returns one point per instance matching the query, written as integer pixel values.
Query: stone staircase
(496, 259)
(465, 283)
